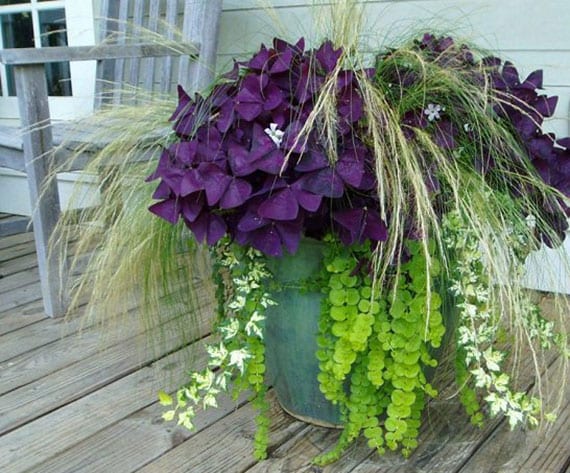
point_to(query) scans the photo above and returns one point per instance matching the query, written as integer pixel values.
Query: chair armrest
(27, 56)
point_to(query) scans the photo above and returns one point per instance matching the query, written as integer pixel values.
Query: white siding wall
(533, 34)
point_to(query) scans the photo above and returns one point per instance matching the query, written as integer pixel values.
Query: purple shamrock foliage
(242, 167)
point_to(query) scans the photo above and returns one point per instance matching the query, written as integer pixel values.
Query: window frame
(80, 29)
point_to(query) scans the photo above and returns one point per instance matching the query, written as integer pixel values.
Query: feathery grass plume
(478, 177)
(124, 262)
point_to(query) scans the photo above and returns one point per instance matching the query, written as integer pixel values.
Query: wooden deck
(84, 400)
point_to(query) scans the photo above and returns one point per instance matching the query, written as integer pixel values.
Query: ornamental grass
(422, 168)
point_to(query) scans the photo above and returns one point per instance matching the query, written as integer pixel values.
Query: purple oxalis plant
(242, 166)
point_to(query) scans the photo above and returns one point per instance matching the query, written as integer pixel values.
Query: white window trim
(80, 32)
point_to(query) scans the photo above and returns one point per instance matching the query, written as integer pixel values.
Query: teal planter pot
(291, 330)
(290, 335)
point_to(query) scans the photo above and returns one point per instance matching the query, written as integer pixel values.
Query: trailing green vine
(479, 360)
(239, 355)
(375, 345)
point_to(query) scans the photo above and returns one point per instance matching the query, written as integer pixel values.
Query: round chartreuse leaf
(337, 297)
(339, 313)
(348, 280)
(398, 309)
(335, 282)
(364, 305)
(352, 296)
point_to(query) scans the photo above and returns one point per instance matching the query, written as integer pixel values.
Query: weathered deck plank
(36, 335)
(19, 279)
(41, 361)
(78, 420)
(11, 240)
(448, 441)
(226, 446)
(18, 249)
(72, 403)
(44, 360)
(546, 450)
(29, 402)
(21, 263)
(13, 224)
(133, 442)
(21, 317)
(19, 296)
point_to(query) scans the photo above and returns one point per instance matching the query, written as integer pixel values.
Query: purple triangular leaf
(308, 200)
(215, 182)
(350, 167)
(162, 191)
(185, 151)
(191, 207)
(290, 233)
(328, 56)
(374, 228)
(191, 182)
(249, 110)
(312, 161)
(534, 80)
(546, 105)
(271, 163)
(251, 221)
(324, 182)
(169, 210)
(282, 205)
(240, 160)
(208, 228)
(237, 192)
(267, 240)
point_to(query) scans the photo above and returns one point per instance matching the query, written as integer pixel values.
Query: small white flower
(432, 111)
(467, 127)
(275, 134)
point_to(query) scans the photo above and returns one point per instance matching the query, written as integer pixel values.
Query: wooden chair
(120, 61)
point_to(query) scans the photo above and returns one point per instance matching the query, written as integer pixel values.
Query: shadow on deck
(75, 398)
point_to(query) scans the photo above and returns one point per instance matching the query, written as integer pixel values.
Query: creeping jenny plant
(426, 175)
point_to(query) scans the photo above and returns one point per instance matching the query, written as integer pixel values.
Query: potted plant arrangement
(358, 216)
(418, 177)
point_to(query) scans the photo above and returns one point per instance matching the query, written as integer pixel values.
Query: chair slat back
(149, 63)
(147, 21)
(138, 16)
(121, 38)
